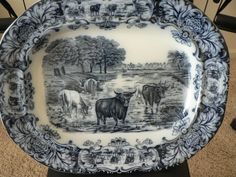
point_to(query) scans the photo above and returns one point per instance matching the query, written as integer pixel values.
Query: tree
(131, 66)
(85, 52)
(58, 52)
(110, 53)
(143, 8)
(178, 61)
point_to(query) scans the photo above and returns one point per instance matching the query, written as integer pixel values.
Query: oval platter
(112, 85)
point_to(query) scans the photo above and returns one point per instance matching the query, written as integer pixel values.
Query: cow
(112, 9)
(139, 94)
(91, 86)
(152, 94)
(71, 99)
(115, 107)
(94, 9)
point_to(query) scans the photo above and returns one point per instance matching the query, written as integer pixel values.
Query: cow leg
(157, 106)
(82, 112)
(123, 121)
(70, 109)
(98, 121)
(152, 108)
(65, 108)
(76, 110)
(116, 120)
(146, 106)
(104, 120)
(142, 99)
(84, 116)
(151, 101)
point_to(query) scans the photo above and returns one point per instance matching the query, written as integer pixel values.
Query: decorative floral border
(40, 142)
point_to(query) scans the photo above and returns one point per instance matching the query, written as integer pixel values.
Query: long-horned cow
(115, 107)
(71, 99)
(152, 94)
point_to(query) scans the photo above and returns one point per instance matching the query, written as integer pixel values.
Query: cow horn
(116, 92)
(134, 91)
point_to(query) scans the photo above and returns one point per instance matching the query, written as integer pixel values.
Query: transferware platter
(112, 85)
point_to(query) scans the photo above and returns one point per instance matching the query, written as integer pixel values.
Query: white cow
(71, 99)
(138, 94)
(91, 86)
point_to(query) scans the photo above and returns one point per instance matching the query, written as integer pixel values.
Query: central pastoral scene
(101, 83)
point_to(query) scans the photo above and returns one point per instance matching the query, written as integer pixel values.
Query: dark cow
(152, 94)
(94, 9)
(112, 9)
(115, 107)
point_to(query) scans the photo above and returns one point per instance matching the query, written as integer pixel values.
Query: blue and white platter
(115, 86)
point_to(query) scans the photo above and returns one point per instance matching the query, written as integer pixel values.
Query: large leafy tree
(110, 54)
(85, 51)
(179, 62)
(59, 51)
(177, 59)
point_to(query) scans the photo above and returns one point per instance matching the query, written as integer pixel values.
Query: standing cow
(94, 9)
(112, 9)
(91, 86)
(139, 92)
(115, 107)
(70, 100)
(152, 94)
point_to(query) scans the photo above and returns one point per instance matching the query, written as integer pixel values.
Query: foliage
(145, 66)
(179, 61)
(86, 52)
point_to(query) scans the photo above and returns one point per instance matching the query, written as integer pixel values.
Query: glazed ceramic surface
(113, 86)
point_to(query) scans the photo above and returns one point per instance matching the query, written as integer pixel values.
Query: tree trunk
(100, 65)
(82, 67)
(91, 68)
(105, 65)
(63, 70)
(57, 72)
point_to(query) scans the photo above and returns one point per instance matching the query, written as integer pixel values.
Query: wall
(211, 10)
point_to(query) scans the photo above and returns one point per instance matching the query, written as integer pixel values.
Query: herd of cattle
(111, 9)
(115, 107)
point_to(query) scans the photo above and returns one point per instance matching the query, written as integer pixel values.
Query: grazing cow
(91, 86)
(94, 9)
(112, 9)
(153, 93)
(115, 107)
(71, 99)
